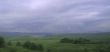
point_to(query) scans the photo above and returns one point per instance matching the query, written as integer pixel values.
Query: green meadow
(98, 42)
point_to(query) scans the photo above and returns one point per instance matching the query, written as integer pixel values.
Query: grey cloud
(54, 15)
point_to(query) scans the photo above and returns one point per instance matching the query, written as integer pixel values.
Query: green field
(51, 43)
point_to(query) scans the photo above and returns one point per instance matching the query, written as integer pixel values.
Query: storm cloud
(54, 16)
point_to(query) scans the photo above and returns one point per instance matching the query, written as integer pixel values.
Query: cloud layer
(54, 16)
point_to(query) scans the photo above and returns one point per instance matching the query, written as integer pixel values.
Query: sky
(55, 16)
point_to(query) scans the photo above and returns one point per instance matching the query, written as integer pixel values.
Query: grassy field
(51, 43)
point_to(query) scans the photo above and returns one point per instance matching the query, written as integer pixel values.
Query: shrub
(18, 44)
(32, 46)
(9, 43)
(2, 42)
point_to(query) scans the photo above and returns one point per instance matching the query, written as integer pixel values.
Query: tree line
(27, 45)
(75, 41)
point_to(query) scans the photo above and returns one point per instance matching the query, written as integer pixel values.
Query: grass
(52, 43)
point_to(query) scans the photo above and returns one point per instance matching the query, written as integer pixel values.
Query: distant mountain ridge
(22, 34)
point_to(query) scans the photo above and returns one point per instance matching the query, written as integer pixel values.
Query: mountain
(21, 34)
(48, 34)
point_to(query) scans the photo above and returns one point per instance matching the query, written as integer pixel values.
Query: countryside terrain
(48, 42)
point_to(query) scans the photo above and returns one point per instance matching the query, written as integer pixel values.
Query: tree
(12, 50)
(48, 50)
(76, 42)
(2, 42)
(66, 40)
(27, 44)
(18, 44)
(84, 40)
(40, 47)
(32, 46)
(9, 43)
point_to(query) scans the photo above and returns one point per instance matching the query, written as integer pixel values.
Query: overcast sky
(54, 16)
